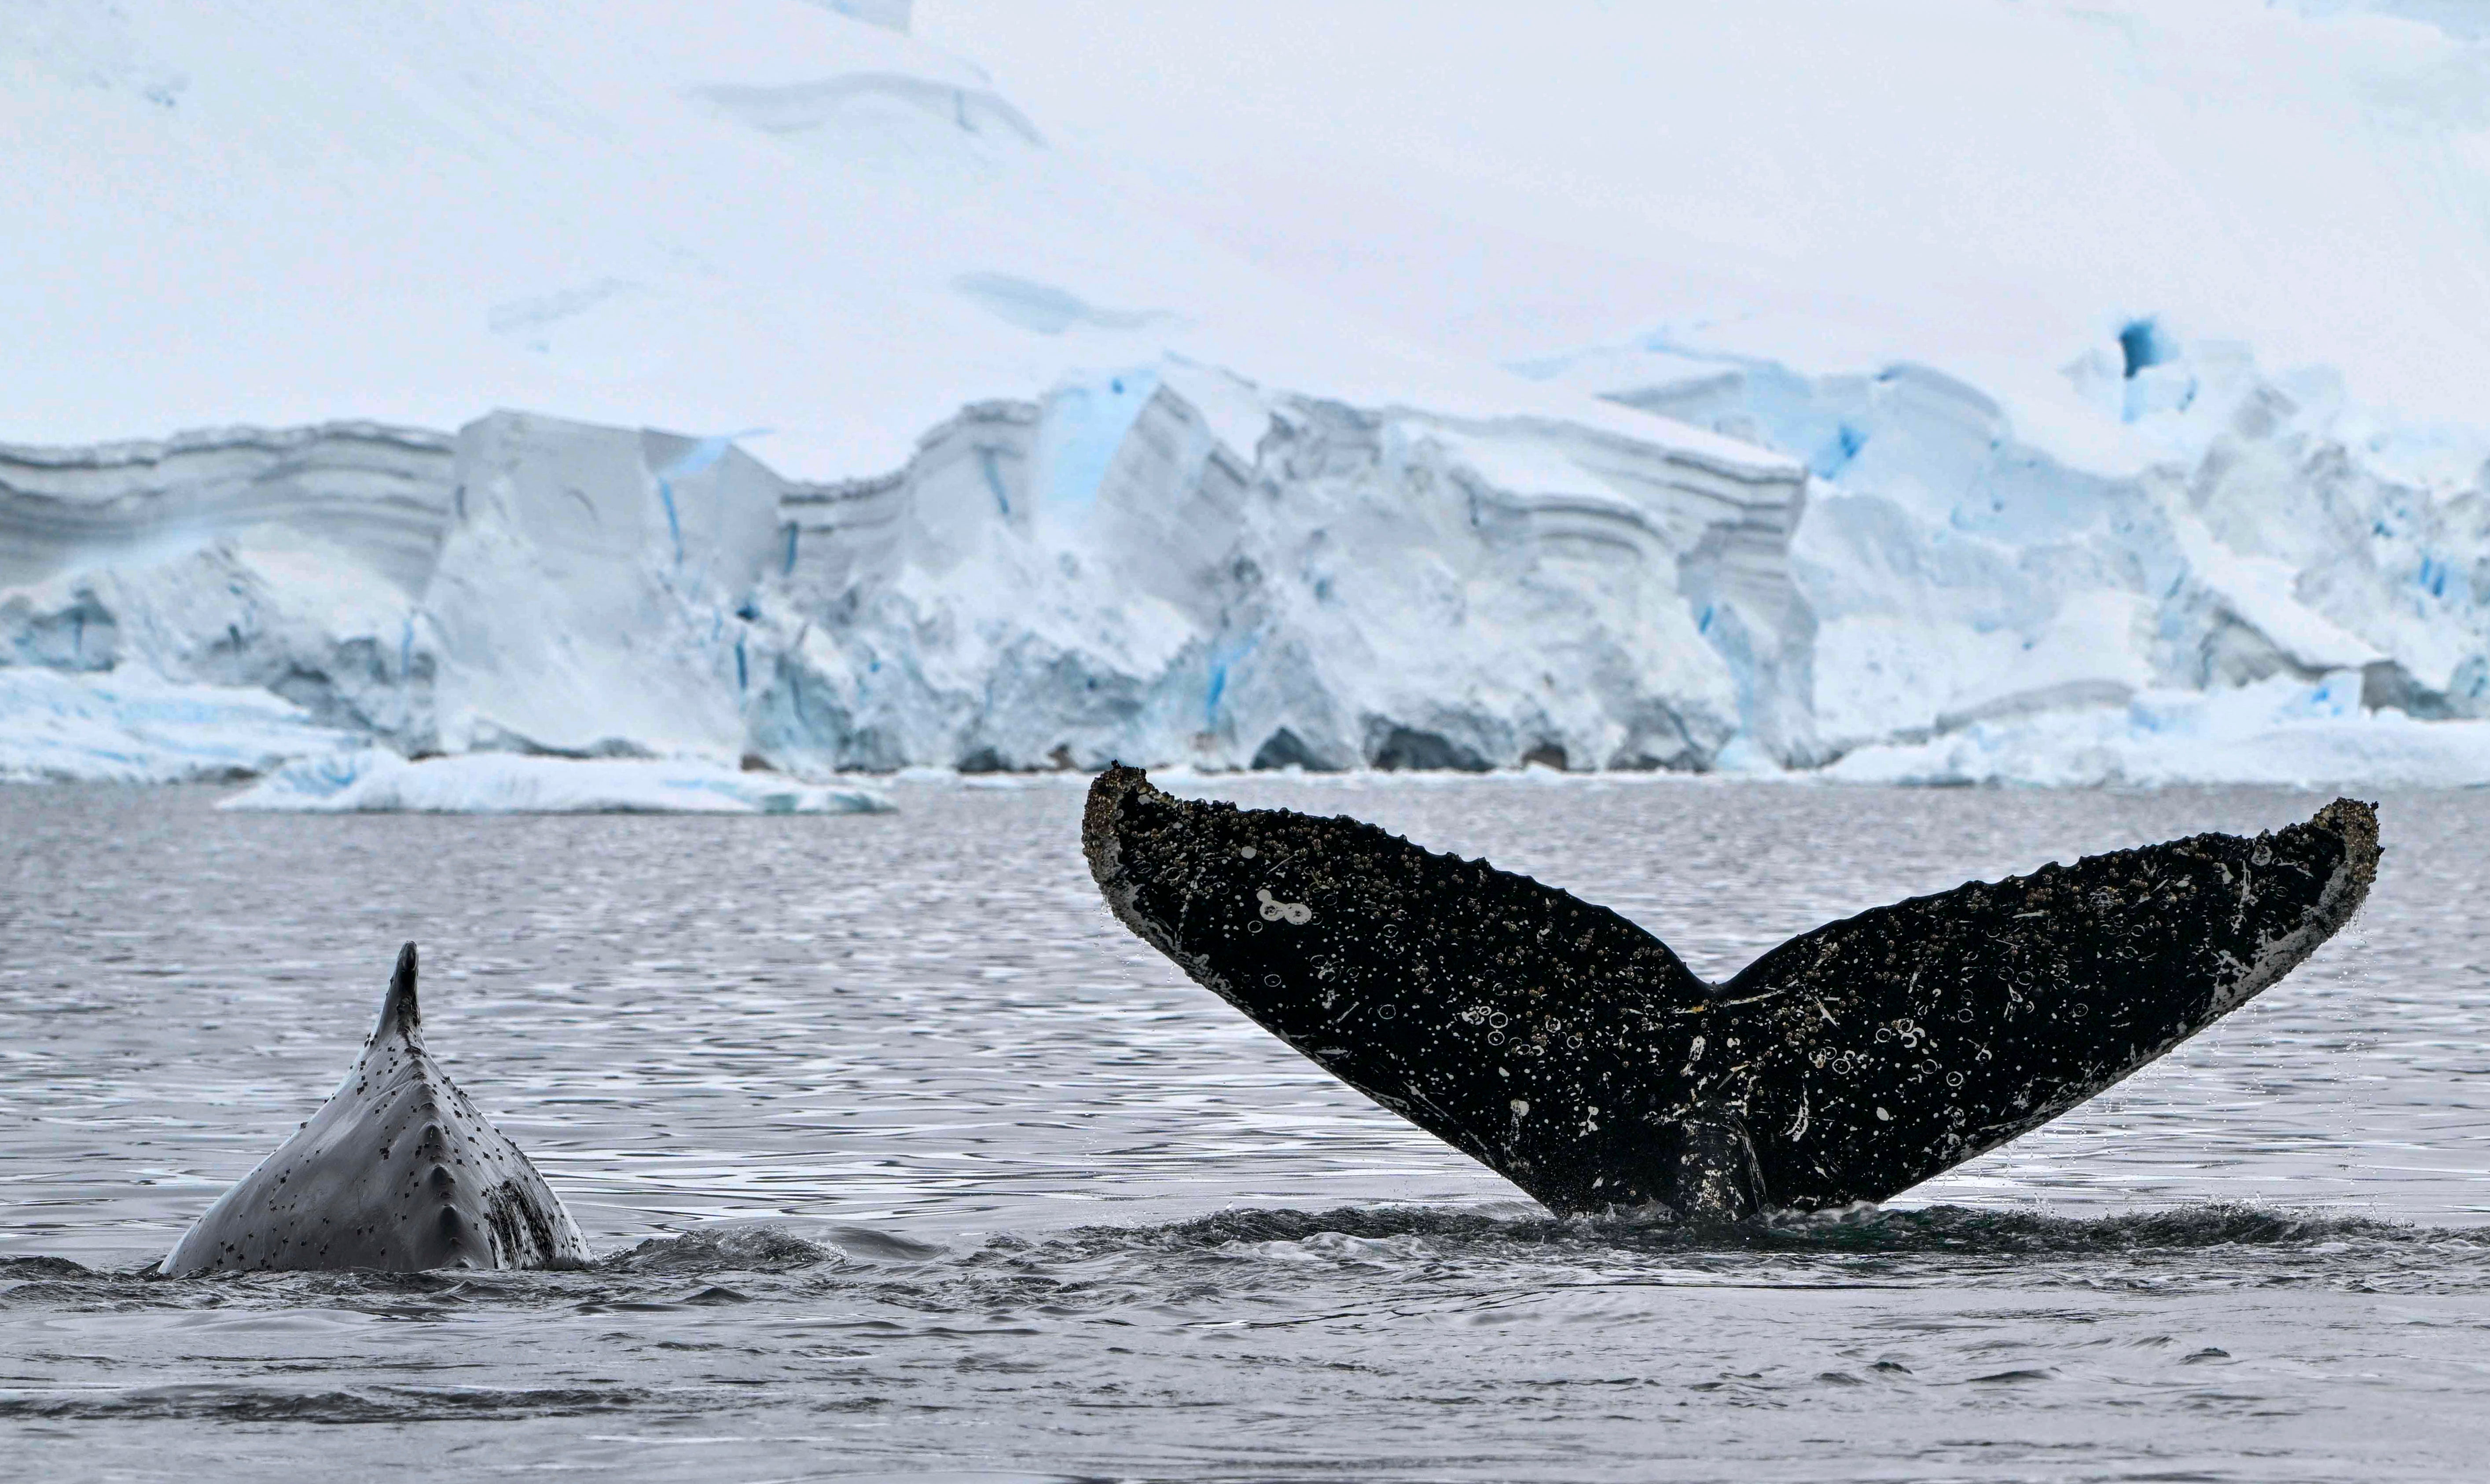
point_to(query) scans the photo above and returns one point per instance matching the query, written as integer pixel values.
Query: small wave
(361, 1405)
(736, 1249)
(886, 1246)
(678, 1268)
(1972, 1229)
(1095, 1267)
(16, 1269)
(1935, 1228)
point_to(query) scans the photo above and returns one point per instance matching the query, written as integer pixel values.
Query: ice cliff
(1170, 563)
(2262, 528)
(1165, 564)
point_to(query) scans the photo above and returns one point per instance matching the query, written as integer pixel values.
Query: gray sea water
(905, 1161)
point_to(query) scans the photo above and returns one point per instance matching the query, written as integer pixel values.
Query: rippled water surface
(906, 1161)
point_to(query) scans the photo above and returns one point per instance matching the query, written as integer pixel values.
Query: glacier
(1167, 563)
(1000, 443)
(1171, 563)
(2262, 527)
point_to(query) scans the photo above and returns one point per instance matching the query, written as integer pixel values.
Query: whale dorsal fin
(398, 1171)
(399, 1016)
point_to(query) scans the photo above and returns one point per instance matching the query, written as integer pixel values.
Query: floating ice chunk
(372, 782)
(128, 726)
(2277, 732)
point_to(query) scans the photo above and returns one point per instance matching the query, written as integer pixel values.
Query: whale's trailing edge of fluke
(1572, 1052)
(398, 1171)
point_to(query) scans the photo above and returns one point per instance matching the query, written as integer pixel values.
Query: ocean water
(904, 1160)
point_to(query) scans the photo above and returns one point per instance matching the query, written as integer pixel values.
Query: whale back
(399, 1170)
(1572, 1052)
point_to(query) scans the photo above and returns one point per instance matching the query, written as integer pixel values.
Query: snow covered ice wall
(1165, 564)
(1171, 564)
(285, 561)
(530, 585)
(2236, 528)
(1990, 267)
(585, 596)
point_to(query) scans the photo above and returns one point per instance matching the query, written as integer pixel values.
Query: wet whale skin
(1572, 1052)
(398, 1171)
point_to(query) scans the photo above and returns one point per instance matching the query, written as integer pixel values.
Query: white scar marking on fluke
(1274, 910)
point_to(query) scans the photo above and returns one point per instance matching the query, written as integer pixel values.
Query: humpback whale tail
(1572, 1052)
(398, 1171)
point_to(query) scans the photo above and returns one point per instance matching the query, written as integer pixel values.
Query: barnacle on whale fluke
(1571, 1051)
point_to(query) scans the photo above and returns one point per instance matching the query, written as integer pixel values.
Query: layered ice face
(2260, 556)
(1174, 565)
(1178, 565)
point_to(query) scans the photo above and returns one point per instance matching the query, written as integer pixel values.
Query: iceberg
(2278, 732)
(131, 726)
(373, 781)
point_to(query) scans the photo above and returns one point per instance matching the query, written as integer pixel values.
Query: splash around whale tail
(1572, 1052)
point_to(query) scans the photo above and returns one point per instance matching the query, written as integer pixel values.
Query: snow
(1951, 391)
(372, 782)
(1987, 186)
(789, 217)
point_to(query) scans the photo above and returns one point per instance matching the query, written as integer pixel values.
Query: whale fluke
(398, 1171)
(1571, 1052)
